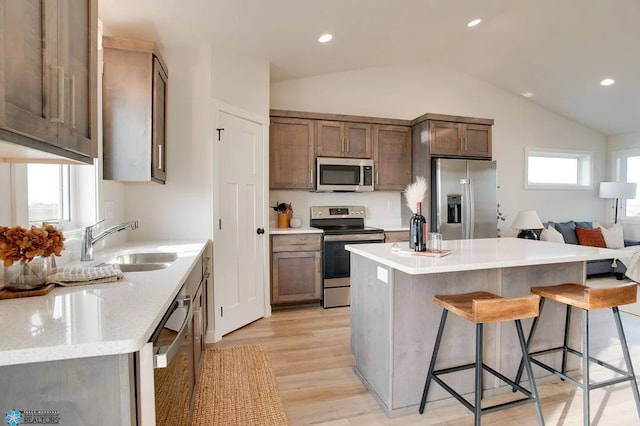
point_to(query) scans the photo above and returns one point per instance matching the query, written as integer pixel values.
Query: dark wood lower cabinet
(296, 269)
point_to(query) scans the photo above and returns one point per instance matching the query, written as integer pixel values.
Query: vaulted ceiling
(557, 51)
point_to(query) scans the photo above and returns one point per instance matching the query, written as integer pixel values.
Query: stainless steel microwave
(344, 174)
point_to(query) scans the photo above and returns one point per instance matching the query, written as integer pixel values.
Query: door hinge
(221, 312)
(219, 133)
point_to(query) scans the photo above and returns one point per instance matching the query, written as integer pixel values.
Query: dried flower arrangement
(18, 244)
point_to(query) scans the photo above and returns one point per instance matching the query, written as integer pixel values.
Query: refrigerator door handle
(465, 209)
(471, 206)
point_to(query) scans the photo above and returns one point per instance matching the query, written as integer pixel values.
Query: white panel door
(239, 280)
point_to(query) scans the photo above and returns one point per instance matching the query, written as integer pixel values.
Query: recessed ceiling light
(607, 82)
(325, 38)
(527, 94)
(474, 22)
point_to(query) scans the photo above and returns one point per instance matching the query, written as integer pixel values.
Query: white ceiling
(558, 50)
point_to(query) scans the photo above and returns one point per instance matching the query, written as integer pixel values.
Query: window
(626, 168)
(551, 169)
(48, 193)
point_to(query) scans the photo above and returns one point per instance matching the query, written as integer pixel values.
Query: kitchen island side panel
(371, 327)
(415, 325)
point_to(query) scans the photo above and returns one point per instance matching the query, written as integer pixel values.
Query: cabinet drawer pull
(160, 165)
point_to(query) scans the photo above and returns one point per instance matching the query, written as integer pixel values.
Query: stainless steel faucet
(88, 240)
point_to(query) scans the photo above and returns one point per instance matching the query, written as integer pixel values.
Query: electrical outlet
(383, 274)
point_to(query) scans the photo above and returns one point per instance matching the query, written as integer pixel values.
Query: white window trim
(619, 174)
(586, 171)
(82, 186)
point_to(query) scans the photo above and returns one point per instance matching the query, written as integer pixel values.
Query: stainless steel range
(342, 225)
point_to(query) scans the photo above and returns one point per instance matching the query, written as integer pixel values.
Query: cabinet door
(357, 140)
(445, 138)
(392, 146)
(159, 123)
(296, 277)
(331, 140)
(78, 57)
(477, 140)
(291, 153)
(29, 74)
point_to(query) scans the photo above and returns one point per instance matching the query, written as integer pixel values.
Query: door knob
(260, 231)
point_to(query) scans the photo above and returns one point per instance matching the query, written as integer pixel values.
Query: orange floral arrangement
(18, 244)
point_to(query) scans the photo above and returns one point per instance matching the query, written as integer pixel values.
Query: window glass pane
(48, 192)
(551, 170)
(633, 175)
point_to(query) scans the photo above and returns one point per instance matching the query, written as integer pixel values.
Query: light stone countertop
(487, 253)
(95, 319)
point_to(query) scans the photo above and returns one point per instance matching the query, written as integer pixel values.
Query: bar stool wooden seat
(585, 298)
(483, 307)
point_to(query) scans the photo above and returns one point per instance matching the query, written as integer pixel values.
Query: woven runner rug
(237, 387)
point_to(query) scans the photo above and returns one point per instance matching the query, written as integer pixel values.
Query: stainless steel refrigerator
(464, 199)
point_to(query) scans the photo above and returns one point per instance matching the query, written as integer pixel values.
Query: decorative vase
(26, 276)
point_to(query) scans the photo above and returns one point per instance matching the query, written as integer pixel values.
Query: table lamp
(618, 190)
(526, 221)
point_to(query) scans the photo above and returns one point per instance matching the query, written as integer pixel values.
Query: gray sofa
(594, 267)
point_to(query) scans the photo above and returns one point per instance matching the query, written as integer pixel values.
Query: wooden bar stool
(483, 307)
(586, 299)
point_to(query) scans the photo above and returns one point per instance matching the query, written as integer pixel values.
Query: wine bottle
(418, 230)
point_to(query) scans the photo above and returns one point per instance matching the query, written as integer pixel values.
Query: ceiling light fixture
(607, 82)
(325, 38)
(474, 22)
(527, 94)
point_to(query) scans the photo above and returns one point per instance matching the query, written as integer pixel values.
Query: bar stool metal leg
(586, 413)
(432, 364)
(478, 394)
(627, 358)
(534, 326)
(567, 329)
(527, 366)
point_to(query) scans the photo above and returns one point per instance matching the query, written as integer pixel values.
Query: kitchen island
(394, 321)
(79, 350)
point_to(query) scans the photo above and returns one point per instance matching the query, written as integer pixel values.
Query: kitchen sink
(136, 258)
(141, 262)
(141, 267)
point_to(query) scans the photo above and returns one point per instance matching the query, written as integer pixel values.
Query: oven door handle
(349, 238)
(166, 353)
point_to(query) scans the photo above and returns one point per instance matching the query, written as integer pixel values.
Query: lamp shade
(527, 219)
(622, 190)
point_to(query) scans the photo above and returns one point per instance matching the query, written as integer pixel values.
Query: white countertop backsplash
(95, 319)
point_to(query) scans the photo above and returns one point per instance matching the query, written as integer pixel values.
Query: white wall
(408, 91)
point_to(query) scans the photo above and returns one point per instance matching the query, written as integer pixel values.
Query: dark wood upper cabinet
(134, 105)
(291, 153)
(392, 155)
(459, 139)
(48, 79)
(343, 139)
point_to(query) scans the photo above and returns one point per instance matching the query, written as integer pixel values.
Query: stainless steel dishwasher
(173, 363)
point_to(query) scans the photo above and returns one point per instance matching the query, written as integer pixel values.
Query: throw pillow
(550, 234)
(590, 237)
(613, 236)
(568, 231)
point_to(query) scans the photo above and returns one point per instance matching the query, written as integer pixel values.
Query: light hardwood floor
(309, 350)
